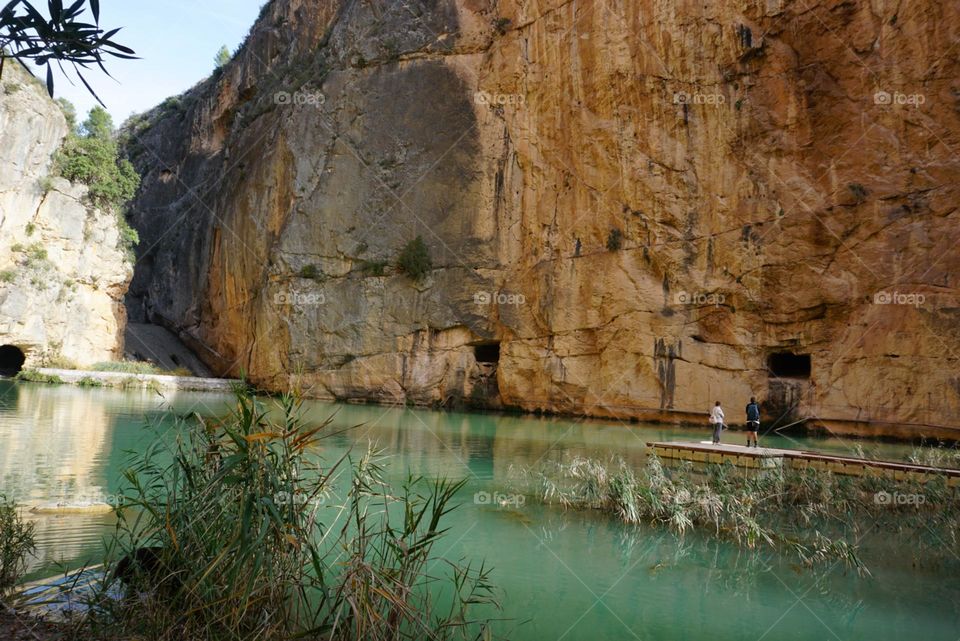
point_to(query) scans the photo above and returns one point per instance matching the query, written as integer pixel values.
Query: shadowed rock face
(781, 177)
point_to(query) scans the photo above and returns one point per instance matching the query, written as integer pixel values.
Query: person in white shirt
(716, 419)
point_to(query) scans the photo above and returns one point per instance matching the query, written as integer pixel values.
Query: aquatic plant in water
(16, 544)
(817, 515)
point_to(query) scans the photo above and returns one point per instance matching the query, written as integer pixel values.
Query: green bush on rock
(414, 259)
(91, 155)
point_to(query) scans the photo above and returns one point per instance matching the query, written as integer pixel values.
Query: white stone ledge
(162, 381)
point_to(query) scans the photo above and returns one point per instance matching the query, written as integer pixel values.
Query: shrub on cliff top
(90, 155)
(222, 58)
(414, 259)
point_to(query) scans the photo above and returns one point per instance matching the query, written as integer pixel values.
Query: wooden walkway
(771, 458)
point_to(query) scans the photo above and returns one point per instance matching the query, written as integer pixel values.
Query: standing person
(716, 418)
(753, 421)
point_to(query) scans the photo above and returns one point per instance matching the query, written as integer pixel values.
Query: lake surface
(566, 574)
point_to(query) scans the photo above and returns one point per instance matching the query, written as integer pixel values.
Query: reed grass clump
(237, 530)
(16, 544)
(817, 515)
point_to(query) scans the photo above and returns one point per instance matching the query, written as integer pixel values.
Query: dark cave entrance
(485, 390)
(11, 360)
(488, 353)
(788, 365)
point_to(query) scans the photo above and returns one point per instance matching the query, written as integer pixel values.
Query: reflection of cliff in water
(66, 444)
(474, 445)
(53, 439)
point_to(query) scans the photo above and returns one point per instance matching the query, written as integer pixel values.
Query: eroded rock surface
(63, 270)
(633, 209)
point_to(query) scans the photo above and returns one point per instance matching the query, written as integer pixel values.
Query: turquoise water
(566, 574)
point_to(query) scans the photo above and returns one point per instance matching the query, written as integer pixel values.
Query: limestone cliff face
(633, 208)
(63, 273)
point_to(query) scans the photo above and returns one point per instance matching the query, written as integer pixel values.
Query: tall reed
(16, 544)
(817, 515)
(233, 531)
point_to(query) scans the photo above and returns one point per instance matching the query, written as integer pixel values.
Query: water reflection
(53, 441)
(575, 575)
(65, 445)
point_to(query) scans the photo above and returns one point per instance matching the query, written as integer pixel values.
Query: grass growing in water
(245, 542)
(16, 543)
(817, 515)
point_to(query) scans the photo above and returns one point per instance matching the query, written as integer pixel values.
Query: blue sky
(176, 41)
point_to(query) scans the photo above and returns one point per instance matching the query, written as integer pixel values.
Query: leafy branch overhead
(66, 36)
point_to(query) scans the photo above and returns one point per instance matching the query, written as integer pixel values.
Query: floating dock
(766, 458)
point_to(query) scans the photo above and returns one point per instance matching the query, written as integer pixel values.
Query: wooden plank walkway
(770, 458)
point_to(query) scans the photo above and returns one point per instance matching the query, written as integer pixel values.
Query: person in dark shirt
(753, 421)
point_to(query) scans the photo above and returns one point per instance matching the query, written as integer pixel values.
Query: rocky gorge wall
(63, 270)
(633, 208)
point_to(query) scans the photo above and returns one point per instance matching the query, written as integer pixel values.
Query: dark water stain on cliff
(422, 116)
(664, 356)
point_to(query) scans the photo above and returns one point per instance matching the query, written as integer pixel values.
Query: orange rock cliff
(632, 209)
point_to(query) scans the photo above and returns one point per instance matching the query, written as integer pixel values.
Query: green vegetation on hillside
(222, 58)
(90, 155)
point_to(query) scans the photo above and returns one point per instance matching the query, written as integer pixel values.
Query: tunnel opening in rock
(487, 353)
(788, 365)
(11, 360)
